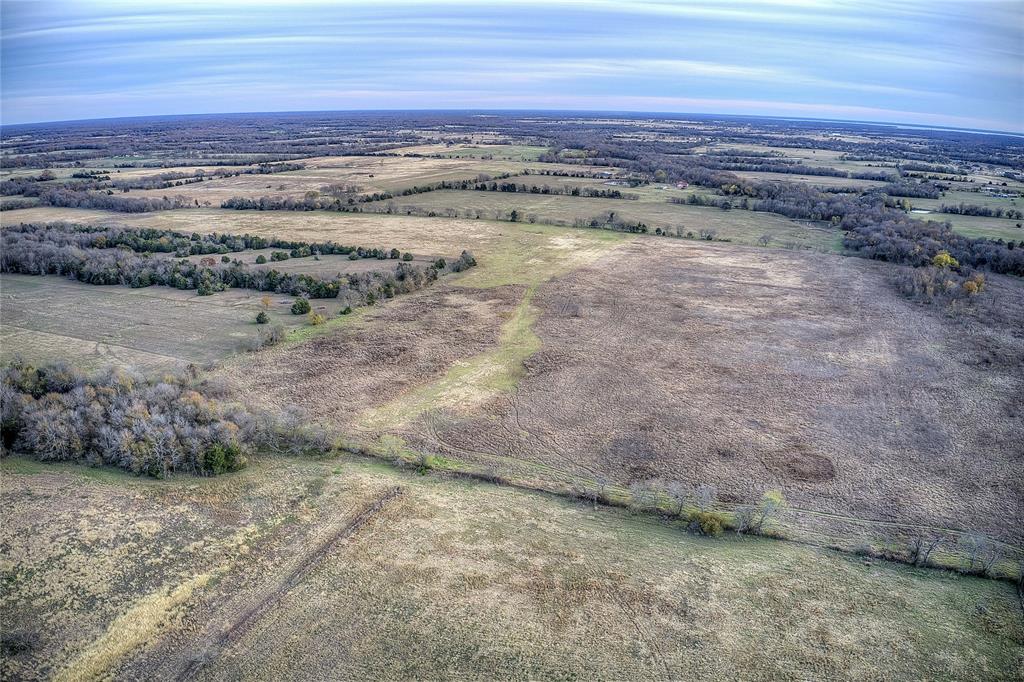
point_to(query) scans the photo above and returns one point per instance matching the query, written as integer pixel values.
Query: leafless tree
(922, 544)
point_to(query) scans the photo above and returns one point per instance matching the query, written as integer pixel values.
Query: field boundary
(874, 541)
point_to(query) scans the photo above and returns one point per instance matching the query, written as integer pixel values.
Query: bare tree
(755, 519)
(922, 544)
(982, 553)
(765, 239)
(679, 494)
(704, 496)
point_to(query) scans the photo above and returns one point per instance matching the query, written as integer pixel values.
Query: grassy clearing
(468, 383)
(979, 226)
(503, 152)
(742, 227)
(527, 255)
(50, 318)
(480, 581)
(530, 254)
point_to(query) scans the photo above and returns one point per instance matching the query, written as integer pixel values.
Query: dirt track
(240, 617)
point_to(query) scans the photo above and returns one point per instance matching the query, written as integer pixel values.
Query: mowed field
(43, 319)
(342, 568)
(977, 226)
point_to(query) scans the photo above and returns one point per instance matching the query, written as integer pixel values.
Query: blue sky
(934, 62)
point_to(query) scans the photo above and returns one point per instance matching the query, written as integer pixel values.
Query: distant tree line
(58, 250)
(94, 189)
(984, 211)
(915, 190)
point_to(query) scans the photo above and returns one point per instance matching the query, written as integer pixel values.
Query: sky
(930, 62)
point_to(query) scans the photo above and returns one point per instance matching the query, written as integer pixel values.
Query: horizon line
(635, 113)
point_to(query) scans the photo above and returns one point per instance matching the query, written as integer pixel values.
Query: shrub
(300, 307)
(407, 256)
(347, 310)
(262, 317)
(316, 319)
(220, 458)
(707, 523)
(757, 519)
(943, 260)
(440, 264)
(272, 336)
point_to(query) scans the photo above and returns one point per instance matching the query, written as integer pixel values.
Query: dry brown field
(750, 369)
(342, 568)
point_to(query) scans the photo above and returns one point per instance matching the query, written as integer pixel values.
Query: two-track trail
(242, 617)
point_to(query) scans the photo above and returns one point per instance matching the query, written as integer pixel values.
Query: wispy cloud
(934, 61)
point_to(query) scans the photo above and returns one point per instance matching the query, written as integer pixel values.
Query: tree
(514, 216)
(679, 495)
(262, 317)
(756, 519)
(300, 307)
(922, 544)
(765, 239)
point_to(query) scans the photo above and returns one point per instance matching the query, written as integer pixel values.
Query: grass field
(743, 227)
(426, 577)
(50, 318)
(977, 226)
(816, 180)
(764, 357)
(497, 152)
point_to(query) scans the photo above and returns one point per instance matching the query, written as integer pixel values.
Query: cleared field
(816, 180)
(506, 247)
(419, 235)
(826, 158)
(504, 152)
(954, 197)
(977, 226)
(50, 318)
(427, 578)
(743, 227)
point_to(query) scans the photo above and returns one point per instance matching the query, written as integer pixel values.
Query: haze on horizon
(924, 62)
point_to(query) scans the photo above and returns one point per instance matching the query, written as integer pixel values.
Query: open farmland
(773, 445)
(483, 581)
(978, 226)
(743, 227)
(367, 173)
(813, 180)
(47, 319)
(823, 398)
